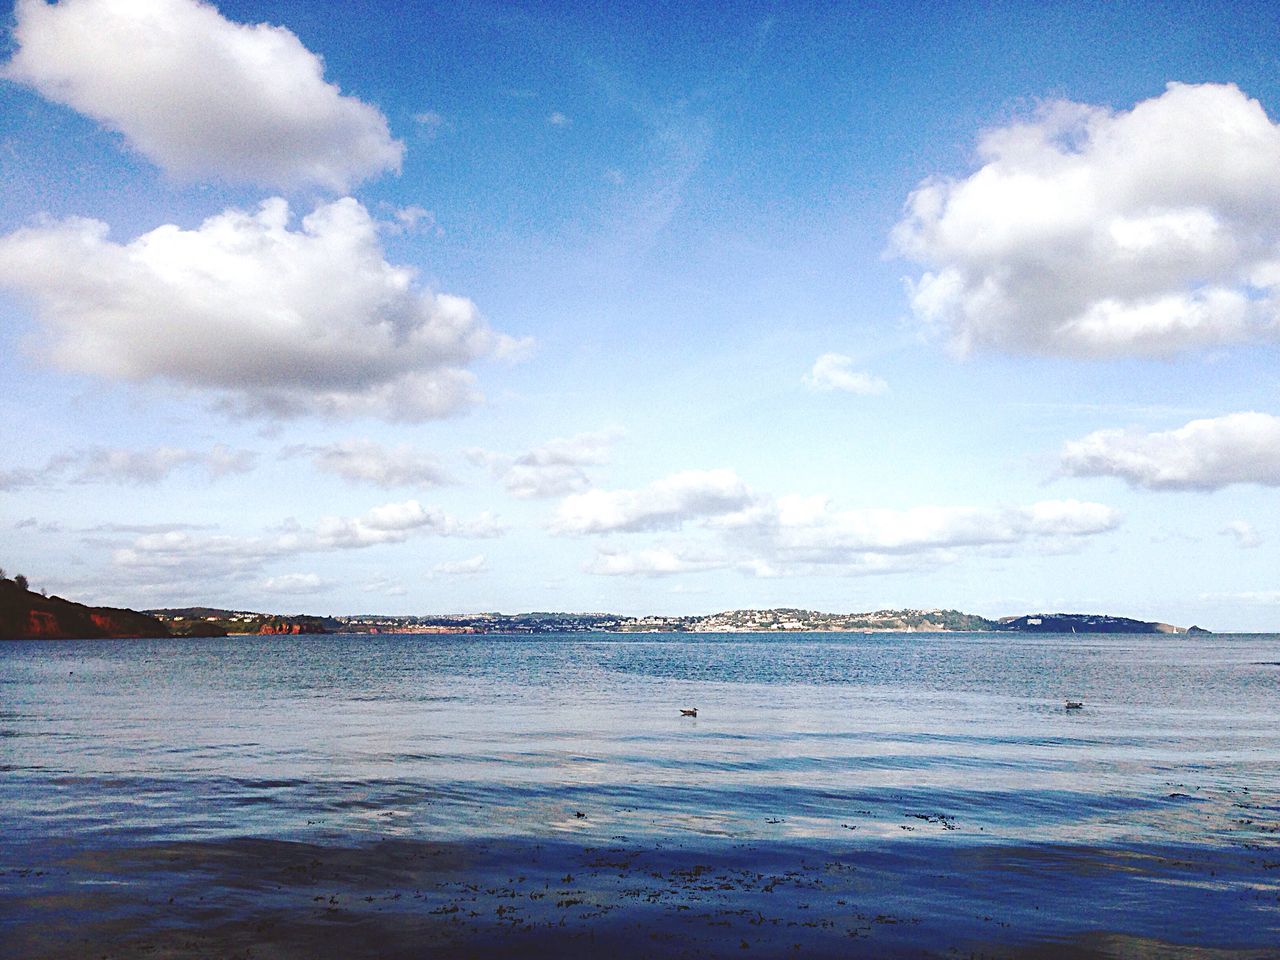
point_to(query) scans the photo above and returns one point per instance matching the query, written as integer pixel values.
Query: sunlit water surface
(892, 737)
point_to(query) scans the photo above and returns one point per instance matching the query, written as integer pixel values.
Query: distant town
(196, 621)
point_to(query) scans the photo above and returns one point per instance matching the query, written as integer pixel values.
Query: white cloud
(138, 467)
(200, 95)
(554, 469)
(177, 554)
(1093, 233)
(431, 123)
(296, 584)
(834, 371)
(177, 557)
(460, 568)
(1202, 455)
(413, 217)
(799, 529)
(735, 527)
(395, 522)
(275, 321)
(663, 505)
(363, 461)
(1264, 598)
(386, 586)
(651, 562)
(1243, 532)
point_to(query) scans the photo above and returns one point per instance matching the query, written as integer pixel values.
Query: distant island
(26, 614)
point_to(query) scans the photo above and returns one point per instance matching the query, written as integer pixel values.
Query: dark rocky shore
(399, 898)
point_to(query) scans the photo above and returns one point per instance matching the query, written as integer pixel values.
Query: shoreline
(371, 896)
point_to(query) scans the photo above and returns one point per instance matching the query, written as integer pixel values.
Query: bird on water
(693, 712)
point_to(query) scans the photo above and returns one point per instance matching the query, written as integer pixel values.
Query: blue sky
(675, 308)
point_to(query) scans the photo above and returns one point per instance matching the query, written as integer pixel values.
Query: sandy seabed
(400, 898)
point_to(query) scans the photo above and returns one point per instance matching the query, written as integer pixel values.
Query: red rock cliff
(29, 616)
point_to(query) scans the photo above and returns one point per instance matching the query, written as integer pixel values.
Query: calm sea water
(824, 736)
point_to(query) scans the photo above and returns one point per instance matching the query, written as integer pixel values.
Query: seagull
(689, 713)
(1074, 704)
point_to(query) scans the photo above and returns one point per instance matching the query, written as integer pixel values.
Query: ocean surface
(945, 765)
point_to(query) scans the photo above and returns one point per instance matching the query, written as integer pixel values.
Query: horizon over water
(935, 779)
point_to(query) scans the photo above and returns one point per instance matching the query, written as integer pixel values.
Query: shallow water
(888, 747)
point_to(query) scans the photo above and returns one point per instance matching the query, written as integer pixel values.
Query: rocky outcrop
(25, 615)
(294, 625)
(197, 628)
(280, 627)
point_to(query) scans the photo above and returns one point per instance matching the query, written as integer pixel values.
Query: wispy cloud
(556, 468)
(366, 462)
(430, 123)
(136, 467)
(461, 568)
(297, 584)
(834, 371)
(1243, 533)
(179, 557)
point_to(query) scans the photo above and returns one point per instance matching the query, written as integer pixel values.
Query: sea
(905, 794)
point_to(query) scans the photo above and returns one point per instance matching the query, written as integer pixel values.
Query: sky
(643, 308)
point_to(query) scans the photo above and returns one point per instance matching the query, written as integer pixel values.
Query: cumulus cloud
(364, 461)
(1243, 533)
(735, 527)
(554, 469)
(663, 505)
(834, 371)
(137, 467)
(1202, 455)
(200, 95)
(273, 320)
(1089, 232)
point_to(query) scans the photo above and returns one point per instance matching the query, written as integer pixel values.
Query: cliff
(25, 615)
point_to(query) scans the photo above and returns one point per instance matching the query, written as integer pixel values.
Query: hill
(1084, 623)
(26, 615)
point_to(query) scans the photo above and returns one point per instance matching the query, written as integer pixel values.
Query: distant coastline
(781, 620)
(25, 614)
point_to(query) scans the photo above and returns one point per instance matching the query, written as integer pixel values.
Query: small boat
(1075, 704)
(689, 713)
